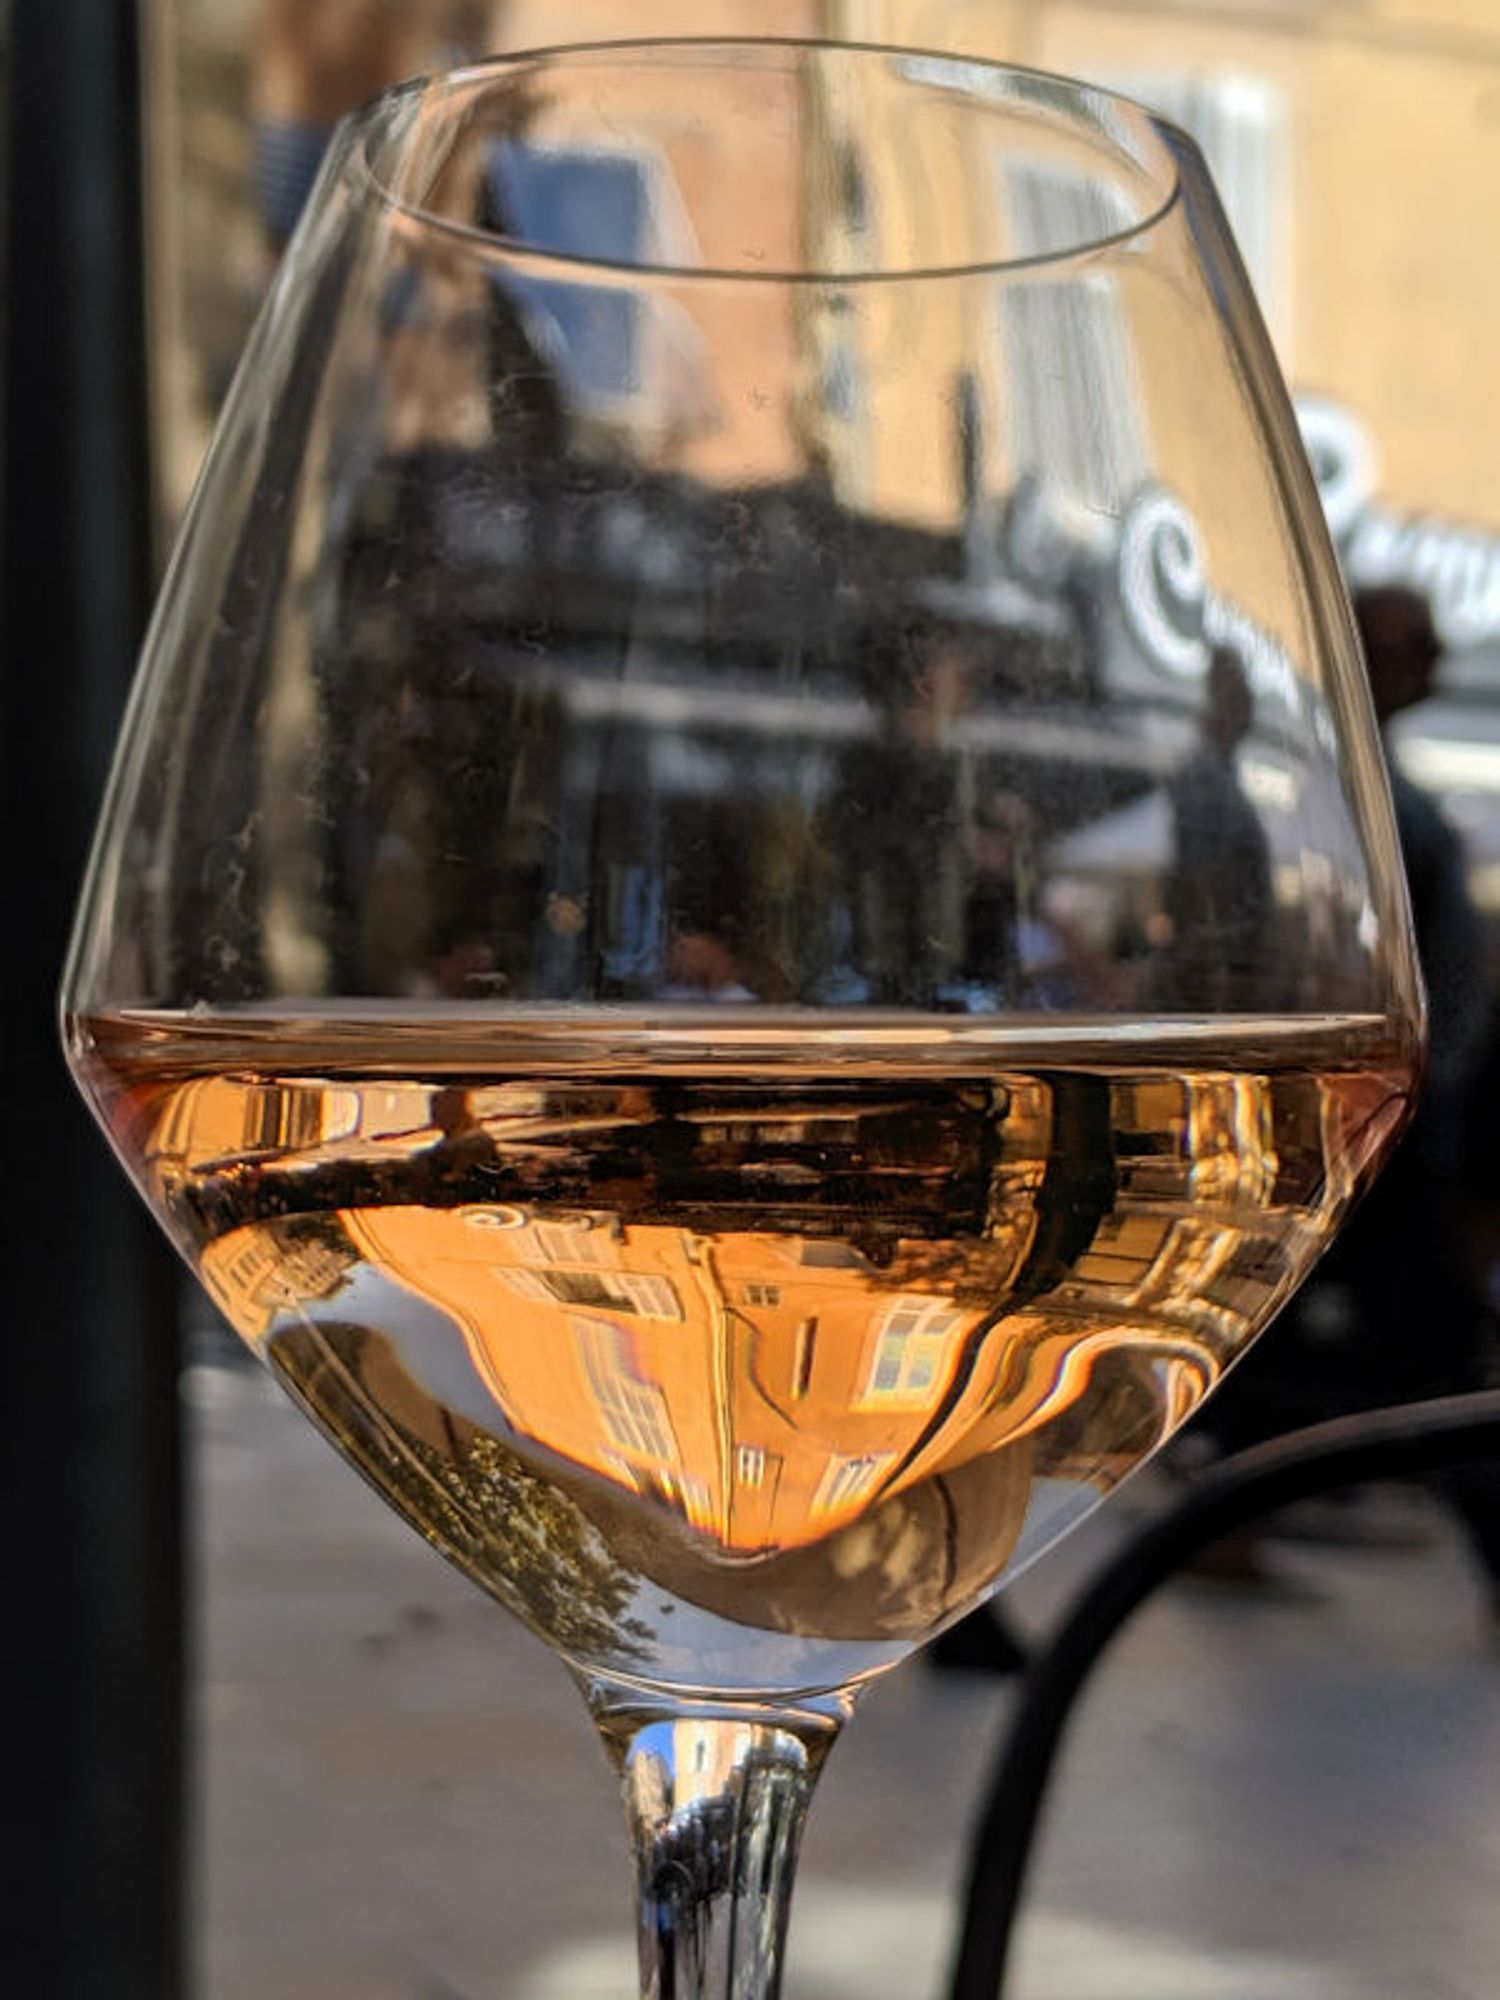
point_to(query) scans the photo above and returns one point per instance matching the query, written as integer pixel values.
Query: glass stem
(716, 1798)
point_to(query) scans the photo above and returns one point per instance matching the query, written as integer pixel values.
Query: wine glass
(748, 920)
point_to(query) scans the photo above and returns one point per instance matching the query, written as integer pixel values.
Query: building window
(652, 1297)
(847, 1480)
(622, 1468)
(750, 1464)
(1092, 447)
(914, 1340)
(829, 1254)
(250, 1266)
(1240, 121)
(802, 1357)
(294, 1120)
(1124, 1251)
(571, 1243)
(620, 1291)
(526, 1285)
(633, 1407)
(572, 200)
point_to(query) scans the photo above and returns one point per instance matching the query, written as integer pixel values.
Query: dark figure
(1394, 1313)
(1219, 894)
(999, 856)
(899, 822)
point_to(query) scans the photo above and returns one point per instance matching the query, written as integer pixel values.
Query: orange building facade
(767, 1386)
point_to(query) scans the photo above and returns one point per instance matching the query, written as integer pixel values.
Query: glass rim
(366, 124)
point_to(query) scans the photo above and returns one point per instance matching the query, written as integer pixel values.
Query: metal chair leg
(1411, 1442)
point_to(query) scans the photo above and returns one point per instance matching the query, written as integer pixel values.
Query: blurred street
(1286, 1795)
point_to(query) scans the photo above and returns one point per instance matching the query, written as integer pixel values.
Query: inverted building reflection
(796, 1305)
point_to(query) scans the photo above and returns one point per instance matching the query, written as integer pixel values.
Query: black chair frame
(1414, 1442)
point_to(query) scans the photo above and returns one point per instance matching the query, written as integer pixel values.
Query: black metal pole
(1411, 1442)
(93, 1617)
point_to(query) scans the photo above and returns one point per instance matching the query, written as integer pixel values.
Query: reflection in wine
(792, 1350)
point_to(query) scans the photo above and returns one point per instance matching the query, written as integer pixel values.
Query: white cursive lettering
(1174, 615)
(1456, 567)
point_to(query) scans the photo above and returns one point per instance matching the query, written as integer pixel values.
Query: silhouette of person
(1402, 650)
(1218, 901)
(999, 841)
(1424, 1328)
(1394, 1314)
(899, 820)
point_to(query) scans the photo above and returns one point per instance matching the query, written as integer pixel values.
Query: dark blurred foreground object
(314, 60)
(1432, 1440)
(1396, 1312)
(982, 1643)
(91, 1444)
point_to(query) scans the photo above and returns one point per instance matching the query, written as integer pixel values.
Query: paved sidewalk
(1284, 1798)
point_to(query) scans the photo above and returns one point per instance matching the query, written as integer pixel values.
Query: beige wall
(1391, 192)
